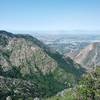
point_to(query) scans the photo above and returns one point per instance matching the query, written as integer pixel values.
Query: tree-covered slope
(25, 58)
(88, 88)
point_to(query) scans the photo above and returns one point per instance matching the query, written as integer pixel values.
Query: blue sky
(50, 15)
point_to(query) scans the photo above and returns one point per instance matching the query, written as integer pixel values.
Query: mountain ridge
(89, 56)
(24, 57)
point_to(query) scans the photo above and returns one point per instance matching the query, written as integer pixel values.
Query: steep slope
(87, 89)
(22, 53)
(23, 57)
(89, 57)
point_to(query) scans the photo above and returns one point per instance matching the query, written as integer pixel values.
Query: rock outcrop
(89, 57)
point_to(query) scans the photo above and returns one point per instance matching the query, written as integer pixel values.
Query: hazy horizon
(56, 32)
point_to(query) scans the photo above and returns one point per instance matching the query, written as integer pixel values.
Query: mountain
(86, 89)
(29, 66)
(89, 57)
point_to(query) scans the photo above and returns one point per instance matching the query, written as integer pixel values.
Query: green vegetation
(89, 86)
(3, 41)
(87, 89)
(29, 69)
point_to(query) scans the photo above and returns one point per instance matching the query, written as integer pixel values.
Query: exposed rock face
(23, 53)
(89, 57)
(26, 60)
(36, 98)
(8, 98)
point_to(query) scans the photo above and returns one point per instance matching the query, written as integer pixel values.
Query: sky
(30, 15)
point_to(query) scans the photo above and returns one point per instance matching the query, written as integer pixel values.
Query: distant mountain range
(89, 57)
(81, 46)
